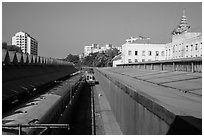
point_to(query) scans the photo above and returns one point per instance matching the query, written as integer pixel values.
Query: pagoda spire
(184, 12)
(183, 26)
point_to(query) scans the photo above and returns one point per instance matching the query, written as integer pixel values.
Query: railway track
(46, 108)
(78, 116)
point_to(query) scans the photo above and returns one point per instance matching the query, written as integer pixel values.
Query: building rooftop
(118, 57)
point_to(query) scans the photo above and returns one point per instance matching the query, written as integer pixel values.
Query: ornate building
(182, 27)
(184, 44)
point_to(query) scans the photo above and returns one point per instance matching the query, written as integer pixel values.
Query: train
(90, 79)
(48, 108)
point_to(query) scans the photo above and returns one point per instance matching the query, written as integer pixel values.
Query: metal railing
(45, 126)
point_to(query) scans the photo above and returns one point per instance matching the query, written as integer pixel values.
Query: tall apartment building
(27, 43)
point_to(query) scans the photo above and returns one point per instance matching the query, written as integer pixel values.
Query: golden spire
(184, 12)
(183, 26)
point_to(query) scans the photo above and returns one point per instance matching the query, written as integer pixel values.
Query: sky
(63, 28)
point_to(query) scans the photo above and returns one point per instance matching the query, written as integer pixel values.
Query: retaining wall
(138, 113)
(22, 73)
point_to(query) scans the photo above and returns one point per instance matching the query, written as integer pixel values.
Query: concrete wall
(22, 73)
(137, 113)
(132, 117)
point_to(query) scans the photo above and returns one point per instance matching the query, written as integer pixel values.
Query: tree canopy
(11, 47)
(103, 59)
(72, 58)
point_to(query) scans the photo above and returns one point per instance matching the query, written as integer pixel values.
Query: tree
(100, 59)
(103, 59)
(72, 58)
(4, 45)
(89, 60)
(11, 47)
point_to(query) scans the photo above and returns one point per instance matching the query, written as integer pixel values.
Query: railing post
(152, 67)
(173, 66)
(19, 129)
(161, 67)
(192, 66)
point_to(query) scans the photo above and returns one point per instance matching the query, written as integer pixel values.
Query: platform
(105, 120)
(167, 100)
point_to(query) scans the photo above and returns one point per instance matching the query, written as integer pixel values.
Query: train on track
(52, 107)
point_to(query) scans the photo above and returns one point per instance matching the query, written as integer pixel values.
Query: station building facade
(184, 44)
(134, 52)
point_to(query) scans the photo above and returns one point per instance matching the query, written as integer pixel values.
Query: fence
(16, 58)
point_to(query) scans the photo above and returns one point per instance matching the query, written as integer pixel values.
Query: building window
(136, 60)
(143, 53)
(174, 48)
(136, 53)
(186, 47)
(129, 61)
(157, 53)
(191, 47)
(143, 60)
(162, 53)
(196, 46)
(150, 53)
(129, 52)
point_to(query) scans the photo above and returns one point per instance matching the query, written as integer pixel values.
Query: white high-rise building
(27, 43)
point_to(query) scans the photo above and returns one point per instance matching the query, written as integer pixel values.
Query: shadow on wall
(186, 125)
